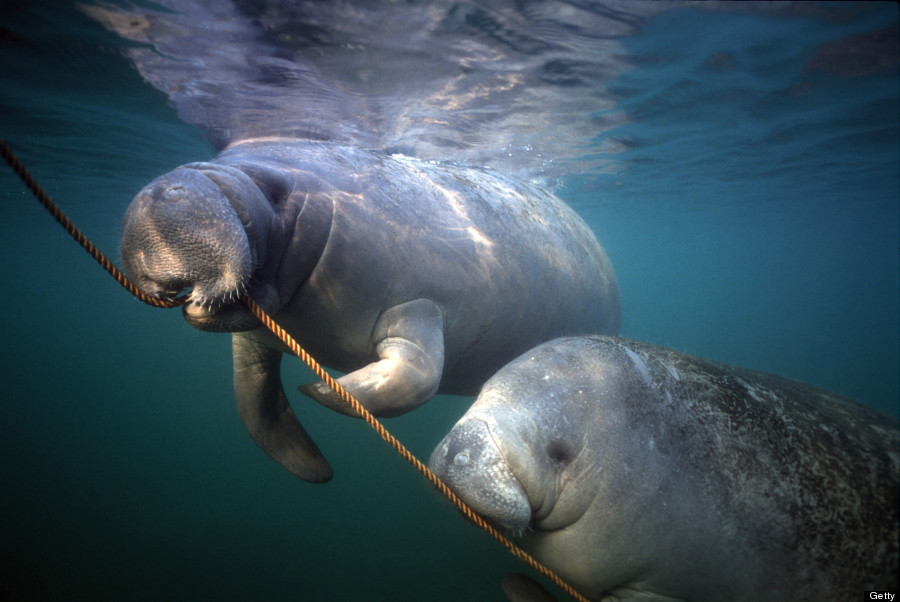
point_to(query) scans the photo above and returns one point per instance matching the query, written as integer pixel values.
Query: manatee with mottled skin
(641, 473)
(414, 278)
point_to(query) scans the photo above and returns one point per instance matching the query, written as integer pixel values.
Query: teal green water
(752, 218)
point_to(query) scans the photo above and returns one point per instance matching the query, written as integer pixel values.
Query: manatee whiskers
(217, 302)
(513, 532)
(234, 296)
(518, 532)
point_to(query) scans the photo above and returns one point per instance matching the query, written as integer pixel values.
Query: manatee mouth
(228, 312)
(210, 280)
(233, 317)
(223, 312)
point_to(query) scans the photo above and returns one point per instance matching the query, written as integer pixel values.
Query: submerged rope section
(297, 350)
(401, 449)
(45, 200)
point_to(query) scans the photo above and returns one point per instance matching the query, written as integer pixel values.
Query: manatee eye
(560, 451)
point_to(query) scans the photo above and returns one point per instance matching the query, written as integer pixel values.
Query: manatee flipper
(266, 414)
(409, 341)
(522, 588)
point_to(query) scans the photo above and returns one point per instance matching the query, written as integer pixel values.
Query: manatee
(412, 277)
(641, 473)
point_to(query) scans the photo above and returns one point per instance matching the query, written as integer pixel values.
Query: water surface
(739, 166)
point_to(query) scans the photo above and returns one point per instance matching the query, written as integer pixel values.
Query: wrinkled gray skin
(638, 472)
(414, 278)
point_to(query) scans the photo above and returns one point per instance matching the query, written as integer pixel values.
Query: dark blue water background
(751, 213)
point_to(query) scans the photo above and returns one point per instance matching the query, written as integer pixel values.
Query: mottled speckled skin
(413, 277)
(637, 471)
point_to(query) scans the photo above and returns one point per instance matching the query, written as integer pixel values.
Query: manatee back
(509, 263)
(702, 481)
(805, 480)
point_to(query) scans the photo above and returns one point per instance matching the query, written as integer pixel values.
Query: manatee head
(199, 229)
(503, 462)
(520, 455)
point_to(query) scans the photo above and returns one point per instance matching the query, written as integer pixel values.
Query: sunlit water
(742, 173)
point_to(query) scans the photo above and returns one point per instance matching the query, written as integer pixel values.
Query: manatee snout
(471, 464)
(181, 233)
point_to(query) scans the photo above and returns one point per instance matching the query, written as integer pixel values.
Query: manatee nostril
(174, 193)
(461, 459)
